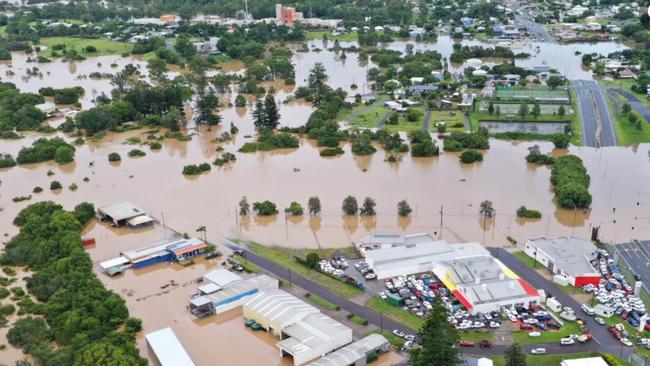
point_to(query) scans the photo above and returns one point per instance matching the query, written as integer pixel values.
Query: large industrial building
(169, 250)
(304, 332)
(166, 348)
(568, 257)
(124, 214)
(223, 290)
(479, 281)
(377, 241)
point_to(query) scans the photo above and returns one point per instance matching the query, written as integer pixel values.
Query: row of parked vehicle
(365, 270)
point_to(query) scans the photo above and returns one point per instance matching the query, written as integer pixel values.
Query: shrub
(528, 214)
(536, 157)
(73, 187)
(55, 185)
(294, 209)
(37, 189)
(43, 150)
(204, 167)
(265, 208)
(470, 156)
(571, 182)
(114, 157)
(362, 145)
(21, 198)
(224, 159)
(194, 169)
(331, 151)
(7, 161)
(457, 141)
(136, 153)
(560, 140)
(270, 141)
(155, 145)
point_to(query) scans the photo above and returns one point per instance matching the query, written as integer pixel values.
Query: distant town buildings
(286, 14)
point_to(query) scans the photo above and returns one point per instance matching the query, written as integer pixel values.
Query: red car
(485, 344)
(465, 343)
(525, 326)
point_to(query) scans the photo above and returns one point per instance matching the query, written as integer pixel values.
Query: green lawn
(576, 126)
(285, 257)
(548, 336)
(475, 336)
(318, 35)
(450, 118)
(517, 118)
(404, 124)
(550, 360)
(396, 313)
(322, 302)
(104, 45)
(371, 117)
(357, 319)
(627, 86)
(626, 134)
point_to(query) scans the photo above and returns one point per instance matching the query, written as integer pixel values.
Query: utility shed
(220, 277)
(124, 213)
(167, 349)
(355, 353)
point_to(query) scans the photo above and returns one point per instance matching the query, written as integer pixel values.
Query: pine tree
(438, 341)
(271, 113)
(515, 356)
(258, 114)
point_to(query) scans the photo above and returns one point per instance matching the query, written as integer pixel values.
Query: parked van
(603, 310)
(553, 304)
(567, 341)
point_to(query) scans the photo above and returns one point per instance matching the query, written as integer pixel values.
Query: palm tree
(487, 212)
(203, 229)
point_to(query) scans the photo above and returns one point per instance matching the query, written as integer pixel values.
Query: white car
(538, 351)
(567, 341)
(626, 342)
(409, 337)
(399, 333)
(600, 320)
(495, 324)
(407, 345)
(534, 334)
(382, 294)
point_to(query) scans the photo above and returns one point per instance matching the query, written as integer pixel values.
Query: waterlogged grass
(371, 117)
(104, 46)
(318, 35)
(285, 257)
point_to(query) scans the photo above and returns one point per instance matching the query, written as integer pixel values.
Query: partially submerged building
(170, 250)
(166, 348)
(565, 256)
(479, 281)
(223, 290)
(304, 332)
(124, 214)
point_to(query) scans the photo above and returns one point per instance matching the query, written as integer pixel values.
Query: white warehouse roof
(221, 277)
(572, 255)
(168, 349)
(121, 211)
(590, 361)
(353, 352)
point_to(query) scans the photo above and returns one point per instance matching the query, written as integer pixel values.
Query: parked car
(485, 344)
(534, 334)
(626, 342)
(399, 333)
(568, 341)
(600, 320)
(538, 351)
(466, 343)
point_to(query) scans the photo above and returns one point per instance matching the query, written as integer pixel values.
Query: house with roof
(566, 256)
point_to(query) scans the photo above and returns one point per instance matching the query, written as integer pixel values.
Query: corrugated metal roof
(168, 349)
(221, 277)
(353, 352)
(121, 210)
(280, 307)
(571, 255)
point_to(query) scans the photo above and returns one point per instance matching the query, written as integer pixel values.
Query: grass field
(285, 257)
(322, 302)
(520, 93)
(104, 46)
(357, 319)
(550, 360)
(394, 340)
(371, 117)
(627, 86)
(626, 134)
(405, 125)
(549, 336)
(318, 35)
(576, 126)
(476, 336)
(401, 316)
(450, 118)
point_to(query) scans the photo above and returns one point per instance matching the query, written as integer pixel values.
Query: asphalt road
(593, 107)
(636, 255)
(638, 106)
(602, 340)
(388, 324)
(537, 29)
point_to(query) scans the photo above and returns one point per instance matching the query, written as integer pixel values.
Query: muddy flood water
(444, 194)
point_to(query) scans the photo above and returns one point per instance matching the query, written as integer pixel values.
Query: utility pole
(441, 214)
(162, 215)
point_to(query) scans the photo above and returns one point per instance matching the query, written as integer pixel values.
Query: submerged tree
(368, 207)
(403, 208)
(486, 210)
(314, 205)
(350, 206)
(244, 206)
